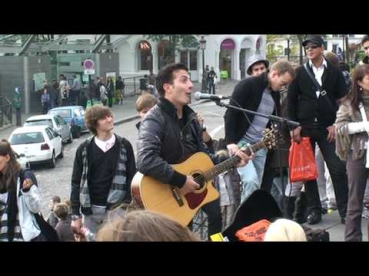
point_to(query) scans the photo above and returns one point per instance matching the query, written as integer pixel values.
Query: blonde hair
(285, 230)
(144, 225)
(332, 58)
(145, 101)
(283, 66)
(61, 211)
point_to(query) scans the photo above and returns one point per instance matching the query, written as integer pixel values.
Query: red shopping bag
(302, 161)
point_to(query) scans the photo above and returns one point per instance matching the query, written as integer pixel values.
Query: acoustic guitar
(154, 195)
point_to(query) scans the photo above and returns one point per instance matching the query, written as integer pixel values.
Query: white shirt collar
(323, 64)
(105, 145)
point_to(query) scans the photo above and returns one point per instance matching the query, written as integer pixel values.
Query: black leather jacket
(161, 142)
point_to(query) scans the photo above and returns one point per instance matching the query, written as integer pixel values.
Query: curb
(127, 119)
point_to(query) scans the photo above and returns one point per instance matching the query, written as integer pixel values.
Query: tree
(176, 41)
(301, 39)
(272, 52)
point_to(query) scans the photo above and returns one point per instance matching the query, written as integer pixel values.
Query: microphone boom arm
(271, 117)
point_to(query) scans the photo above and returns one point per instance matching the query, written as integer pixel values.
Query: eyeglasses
(311, 47)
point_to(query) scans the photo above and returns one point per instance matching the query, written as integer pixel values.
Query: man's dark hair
(344, 66)
(166, 76)
(56, 199)
(94, 114)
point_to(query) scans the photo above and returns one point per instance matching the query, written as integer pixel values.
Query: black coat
(161, 142)
(248, 94)
(303, 104)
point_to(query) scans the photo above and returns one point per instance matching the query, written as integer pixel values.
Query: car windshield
(43, 122)
(27, 138)
(65, 113)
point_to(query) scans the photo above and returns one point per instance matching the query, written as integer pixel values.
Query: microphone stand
(281, 120)
(270, 117)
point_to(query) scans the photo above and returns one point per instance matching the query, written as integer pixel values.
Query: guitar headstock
(271, 137)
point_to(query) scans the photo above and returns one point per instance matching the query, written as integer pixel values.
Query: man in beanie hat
(257, 65)
(315, 109)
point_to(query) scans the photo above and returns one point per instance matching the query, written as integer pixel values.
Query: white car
(39, 144)
(56, 122)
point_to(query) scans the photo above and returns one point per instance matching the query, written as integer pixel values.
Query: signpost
(89, 66)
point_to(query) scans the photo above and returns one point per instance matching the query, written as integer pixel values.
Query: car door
(55, 140)
(64, 129)
(57, 126)
(80, 120)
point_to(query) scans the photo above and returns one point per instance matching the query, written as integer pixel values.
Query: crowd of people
(330, 105)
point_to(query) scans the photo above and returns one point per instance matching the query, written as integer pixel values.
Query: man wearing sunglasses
(313, 102)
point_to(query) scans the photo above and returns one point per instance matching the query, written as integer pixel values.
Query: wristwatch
(75, 217)
(203, 127)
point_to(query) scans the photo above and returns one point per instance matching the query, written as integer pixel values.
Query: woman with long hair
(352, 128)
(18, 201)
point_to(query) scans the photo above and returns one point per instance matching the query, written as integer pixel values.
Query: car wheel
(70, 139)
(77, 134)
(61, 155)
(52, 161)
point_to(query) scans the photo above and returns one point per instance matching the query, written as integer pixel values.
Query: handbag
(46, 229)
(302, 161)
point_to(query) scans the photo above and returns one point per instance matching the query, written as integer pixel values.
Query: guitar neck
(231, 162)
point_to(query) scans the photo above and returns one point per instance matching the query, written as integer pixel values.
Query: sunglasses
(311, 47)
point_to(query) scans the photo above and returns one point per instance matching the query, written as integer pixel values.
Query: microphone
(201, 96)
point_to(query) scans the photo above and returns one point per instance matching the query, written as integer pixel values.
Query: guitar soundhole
(199, 178)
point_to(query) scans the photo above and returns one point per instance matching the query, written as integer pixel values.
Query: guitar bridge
(177, 197)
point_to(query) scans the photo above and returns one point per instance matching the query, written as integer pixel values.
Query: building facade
(226, 53)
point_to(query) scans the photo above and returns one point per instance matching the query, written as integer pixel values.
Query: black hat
(316, 39)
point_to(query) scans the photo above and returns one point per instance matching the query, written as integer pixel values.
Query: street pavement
(127, 112)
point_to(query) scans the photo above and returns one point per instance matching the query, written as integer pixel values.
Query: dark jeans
(212, 210)
(211, 87)
(336, 169)
(357, 176)
(18, 113)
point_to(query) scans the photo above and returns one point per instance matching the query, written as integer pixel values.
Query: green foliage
(176, 41)
(359, 55)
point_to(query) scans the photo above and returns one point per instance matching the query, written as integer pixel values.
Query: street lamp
(288, 46)
(203, 47)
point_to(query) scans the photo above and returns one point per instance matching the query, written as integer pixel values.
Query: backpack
(316, 235)
(46, 229)
(347, 77)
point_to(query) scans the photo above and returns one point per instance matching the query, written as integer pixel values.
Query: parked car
(39, 144)
(73, 115)
(56, 122)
